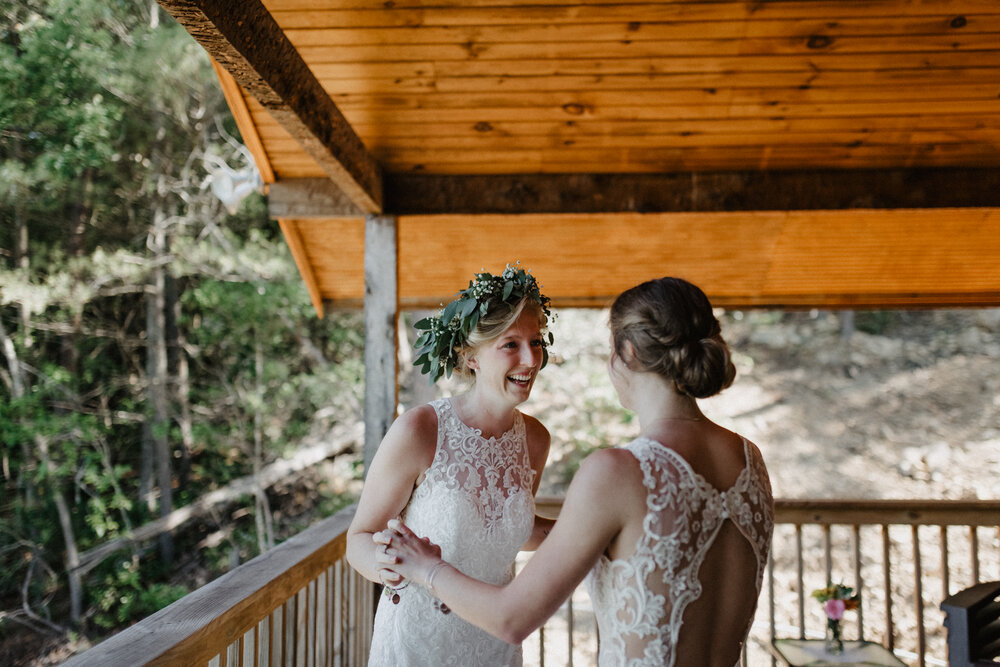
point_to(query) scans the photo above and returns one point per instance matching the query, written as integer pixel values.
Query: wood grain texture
(255, 51)
(381, 320)
(538, 96)
(858, 258)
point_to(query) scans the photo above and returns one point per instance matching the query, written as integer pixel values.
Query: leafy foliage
(110, 122)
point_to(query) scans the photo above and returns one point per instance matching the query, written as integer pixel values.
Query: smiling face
(507, 366)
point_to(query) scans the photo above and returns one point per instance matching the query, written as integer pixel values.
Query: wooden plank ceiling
(778, 152)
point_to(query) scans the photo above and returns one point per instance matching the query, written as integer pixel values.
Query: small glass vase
(833, 645)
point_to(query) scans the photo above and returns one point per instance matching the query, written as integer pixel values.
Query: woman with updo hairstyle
(671, 530)
(462, 470)
(674, 333)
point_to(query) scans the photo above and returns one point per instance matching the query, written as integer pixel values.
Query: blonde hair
(490, 327)
(675, 334)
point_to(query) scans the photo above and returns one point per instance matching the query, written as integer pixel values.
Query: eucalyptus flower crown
(443, 335)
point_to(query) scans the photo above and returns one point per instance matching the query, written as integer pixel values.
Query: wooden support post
(381, 317)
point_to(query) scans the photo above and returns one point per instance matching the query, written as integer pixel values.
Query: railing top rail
(197, 627)
(889, 512)
(863, 511)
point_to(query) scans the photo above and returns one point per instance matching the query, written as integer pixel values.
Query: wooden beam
(853, 258)
(248, 43)
(309, 198)
(407, 194)
(249, 132)
(381, 321)
(290, 230)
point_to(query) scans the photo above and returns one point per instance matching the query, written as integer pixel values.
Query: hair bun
(674, 333)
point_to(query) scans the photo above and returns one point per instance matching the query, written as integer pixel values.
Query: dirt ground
(905, 405)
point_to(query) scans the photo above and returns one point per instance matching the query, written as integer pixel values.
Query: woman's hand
(406, 554)
(382, 540)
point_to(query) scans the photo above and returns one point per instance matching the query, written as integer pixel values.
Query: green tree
(155, 343)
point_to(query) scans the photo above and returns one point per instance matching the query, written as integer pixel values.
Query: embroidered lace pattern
(476, 503)
(640, 601)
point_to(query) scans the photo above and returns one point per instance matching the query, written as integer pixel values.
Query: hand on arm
(589, 521)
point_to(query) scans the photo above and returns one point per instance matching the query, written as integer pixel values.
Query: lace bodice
(640, 601)
(475, 502)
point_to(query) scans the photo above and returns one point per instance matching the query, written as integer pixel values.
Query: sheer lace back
(641, 601)
(476, 503)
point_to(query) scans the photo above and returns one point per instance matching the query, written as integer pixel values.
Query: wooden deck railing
(300, 603)
(905, 556)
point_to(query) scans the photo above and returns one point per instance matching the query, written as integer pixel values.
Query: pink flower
(834, 609)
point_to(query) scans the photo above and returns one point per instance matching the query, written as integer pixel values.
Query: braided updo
(675, 334)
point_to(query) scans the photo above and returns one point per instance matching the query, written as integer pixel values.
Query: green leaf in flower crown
(468, 305)
(425, 323)
(507, 288)
(449, 312)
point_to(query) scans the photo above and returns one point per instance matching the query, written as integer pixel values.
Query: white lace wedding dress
(640, 601)
(476, 503)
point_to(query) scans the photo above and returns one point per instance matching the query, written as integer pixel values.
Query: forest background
(161, 361)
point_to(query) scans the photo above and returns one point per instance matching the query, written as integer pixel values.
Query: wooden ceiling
(777, 152)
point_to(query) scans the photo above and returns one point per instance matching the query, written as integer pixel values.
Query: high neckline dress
(475, 502)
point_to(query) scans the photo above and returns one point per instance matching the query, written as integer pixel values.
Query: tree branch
(307, 456)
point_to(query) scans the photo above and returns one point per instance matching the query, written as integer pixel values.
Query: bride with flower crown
(463, 471)
(674, 528)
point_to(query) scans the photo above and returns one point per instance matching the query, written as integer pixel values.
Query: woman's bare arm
(402, 457)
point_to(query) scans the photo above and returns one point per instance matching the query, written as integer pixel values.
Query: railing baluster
(569, 630)
(827, 554)
(319, 616)
(945, 575)
(597, 638)
(290, 632)
(859, 583)
(918, 597)
(248, 645)
(263, 656)
(277, 636)
(541, 646)
(328, 627)
(338, 616)
(770, 601)
(799, 566)
(887, 581)
(350, 617)
(974, 548)
(301, 623)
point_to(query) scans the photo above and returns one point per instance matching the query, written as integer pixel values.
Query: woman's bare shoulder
(536, 432)
(608, 469)
(414, 429)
